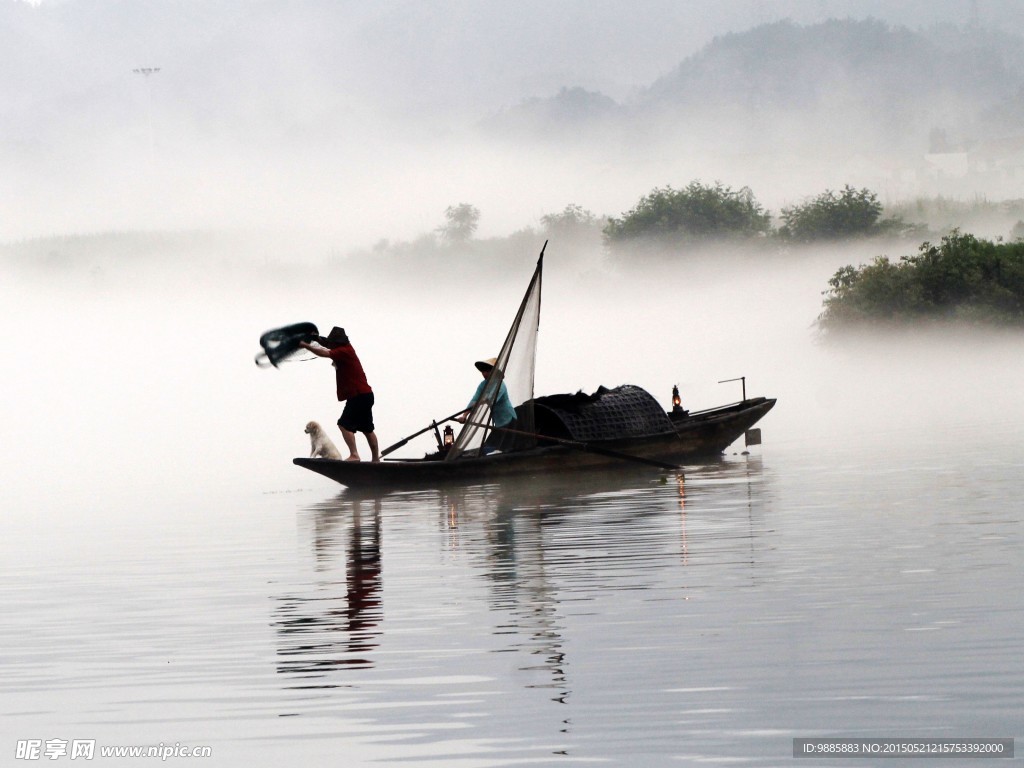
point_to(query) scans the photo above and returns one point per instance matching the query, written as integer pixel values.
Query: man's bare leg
(350, 443)
(371, 438)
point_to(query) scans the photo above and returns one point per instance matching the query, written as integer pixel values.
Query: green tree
(698, 212)
(572, 222)
(837, 216)
(460, 224)
(961, 278)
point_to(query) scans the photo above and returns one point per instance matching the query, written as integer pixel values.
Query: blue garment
(502, 412)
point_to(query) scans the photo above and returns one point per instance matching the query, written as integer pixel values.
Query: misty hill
(366, 120)
(859, 84)
(570, 110)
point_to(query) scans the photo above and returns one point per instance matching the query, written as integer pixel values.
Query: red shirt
(349, 372)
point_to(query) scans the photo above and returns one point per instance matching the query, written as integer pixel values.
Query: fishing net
(514, 368)
(282, 344)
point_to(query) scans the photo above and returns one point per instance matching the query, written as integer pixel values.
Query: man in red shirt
(353, 390)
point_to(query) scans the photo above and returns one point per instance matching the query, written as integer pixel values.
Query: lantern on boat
(677, 403)
(449, 436)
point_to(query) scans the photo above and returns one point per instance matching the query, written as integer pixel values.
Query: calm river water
(627, 617)
(170, 579)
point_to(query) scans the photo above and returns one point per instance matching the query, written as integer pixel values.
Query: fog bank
(140, 373)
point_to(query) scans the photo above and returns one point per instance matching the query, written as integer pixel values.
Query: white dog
(322, 446)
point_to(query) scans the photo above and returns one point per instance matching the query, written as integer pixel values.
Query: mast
(513, 370)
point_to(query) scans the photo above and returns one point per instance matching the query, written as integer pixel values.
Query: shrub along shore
(962, 278)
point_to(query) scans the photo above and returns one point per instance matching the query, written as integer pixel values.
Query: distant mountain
(862, 84)
(783, 65)
(566, 113)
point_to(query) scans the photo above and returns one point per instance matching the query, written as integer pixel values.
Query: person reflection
(318, 634)
(363, 611)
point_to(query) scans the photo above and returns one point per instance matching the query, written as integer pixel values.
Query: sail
(514, 370)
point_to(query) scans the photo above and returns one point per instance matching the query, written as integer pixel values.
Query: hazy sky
(297, 112)
(477, 54)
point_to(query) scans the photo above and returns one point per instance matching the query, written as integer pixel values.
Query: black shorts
(358, 414)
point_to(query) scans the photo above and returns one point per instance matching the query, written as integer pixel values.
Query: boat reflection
(681, 485)
(530, 537)
(541, 548)
(337, 625)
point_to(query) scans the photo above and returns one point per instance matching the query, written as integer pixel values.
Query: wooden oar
(581, 446)
(432, 425)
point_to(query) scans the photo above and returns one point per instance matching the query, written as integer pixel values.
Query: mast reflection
(505, 523)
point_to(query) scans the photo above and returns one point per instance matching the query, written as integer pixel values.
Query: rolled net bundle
(282, 344)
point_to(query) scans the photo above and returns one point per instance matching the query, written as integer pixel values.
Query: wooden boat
(694, 435)
(555, 433)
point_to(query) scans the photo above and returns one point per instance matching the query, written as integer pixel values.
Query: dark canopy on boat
(607, 414)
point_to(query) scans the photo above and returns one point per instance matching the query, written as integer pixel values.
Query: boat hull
(697, 435)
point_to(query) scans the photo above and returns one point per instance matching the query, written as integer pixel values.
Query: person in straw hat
(352, 389)
(503, 413)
